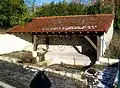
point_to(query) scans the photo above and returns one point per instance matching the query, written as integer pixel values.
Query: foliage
(117, 19)
(13, 12)
(64, 8)
(114, 49)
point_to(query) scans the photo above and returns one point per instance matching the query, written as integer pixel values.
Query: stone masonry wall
(66, 43)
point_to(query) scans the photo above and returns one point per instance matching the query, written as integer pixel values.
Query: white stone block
(37, 59)
(34, 53)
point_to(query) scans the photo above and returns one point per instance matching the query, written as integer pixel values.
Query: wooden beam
(98, 47)
(34, 42)
(91, 42)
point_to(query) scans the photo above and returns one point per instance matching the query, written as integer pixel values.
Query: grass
(24, 56)
(63, 67)
(99, 67)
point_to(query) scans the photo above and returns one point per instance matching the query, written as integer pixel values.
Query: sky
(39, 2)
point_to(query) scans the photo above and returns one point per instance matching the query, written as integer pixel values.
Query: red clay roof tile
(75, 23)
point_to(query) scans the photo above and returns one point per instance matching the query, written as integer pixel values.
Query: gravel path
(19, 77)
(15, 75)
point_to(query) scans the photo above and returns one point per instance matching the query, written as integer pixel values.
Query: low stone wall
(10, 43)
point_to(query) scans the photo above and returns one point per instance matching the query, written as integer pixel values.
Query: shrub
(114, 48)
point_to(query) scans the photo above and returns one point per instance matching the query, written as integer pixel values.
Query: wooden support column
(34, 43)
(35, 53)
(91, 42)
(98, 47)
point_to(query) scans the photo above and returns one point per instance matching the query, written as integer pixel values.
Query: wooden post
(34, 43)
(98, 47)
(35, 54)
(95, 46)
(91, 42)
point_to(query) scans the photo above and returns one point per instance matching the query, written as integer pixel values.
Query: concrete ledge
(106, 60)
(4, 85)
(72, 58)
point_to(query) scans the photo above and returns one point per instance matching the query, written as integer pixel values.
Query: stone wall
(65, 46)
(67, 43)
(18, 42)
(10, 43)
(60, 43)
(106, 39)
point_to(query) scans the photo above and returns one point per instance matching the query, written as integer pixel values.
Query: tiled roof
(75, 23)
(2, 31)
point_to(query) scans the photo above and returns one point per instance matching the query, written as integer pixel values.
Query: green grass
(99, 67)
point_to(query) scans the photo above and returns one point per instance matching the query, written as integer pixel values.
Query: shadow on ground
(19, 77)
